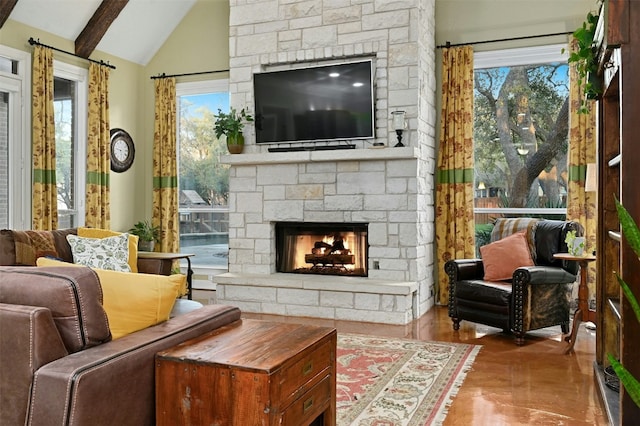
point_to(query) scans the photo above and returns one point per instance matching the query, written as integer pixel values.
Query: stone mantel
(370, 154)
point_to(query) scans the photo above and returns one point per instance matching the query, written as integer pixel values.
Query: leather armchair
(536, 297)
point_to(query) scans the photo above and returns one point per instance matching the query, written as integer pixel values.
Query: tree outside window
(521, 139)
(203, 180)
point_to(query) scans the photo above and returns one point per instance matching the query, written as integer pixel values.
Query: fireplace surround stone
(391, 189)
(377, 186)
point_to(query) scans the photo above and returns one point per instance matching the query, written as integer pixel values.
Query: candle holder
(399, 124)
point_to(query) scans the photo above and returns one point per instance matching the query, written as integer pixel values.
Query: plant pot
(146, 245)
(235, 143)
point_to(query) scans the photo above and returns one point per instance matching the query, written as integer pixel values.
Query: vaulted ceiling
(130, 29)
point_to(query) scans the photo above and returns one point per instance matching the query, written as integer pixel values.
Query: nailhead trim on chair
(450, 268)
(520, 276)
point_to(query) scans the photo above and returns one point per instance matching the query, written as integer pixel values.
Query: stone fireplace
(389, 190)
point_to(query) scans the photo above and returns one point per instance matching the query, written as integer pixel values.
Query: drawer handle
(307, 368)
(306, 406)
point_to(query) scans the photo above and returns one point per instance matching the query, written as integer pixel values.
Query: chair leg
(520, 339)
(456, 323)
(564, 327)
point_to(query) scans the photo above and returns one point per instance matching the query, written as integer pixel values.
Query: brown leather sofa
(58, 364)
(536, 297)
(50, 243)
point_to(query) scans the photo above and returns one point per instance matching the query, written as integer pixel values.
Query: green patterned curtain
(455, 230)
(44, 207)
(581, 205)
(165, 168)
(98, 212)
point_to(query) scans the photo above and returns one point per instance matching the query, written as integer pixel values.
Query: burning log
(330, 259)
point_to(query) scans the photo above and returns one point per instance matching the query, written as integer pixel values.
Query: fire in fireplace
(322, 248)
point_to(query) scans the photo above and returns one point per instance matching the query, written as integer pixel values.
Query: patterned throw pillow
(508, 226)
(110, 253)
(30, 245)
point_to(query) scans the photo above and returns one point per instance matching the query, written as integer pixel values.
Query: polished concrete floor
(534, 384)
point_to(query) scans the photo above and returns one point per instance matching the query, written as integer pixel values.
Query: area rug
(383, 381)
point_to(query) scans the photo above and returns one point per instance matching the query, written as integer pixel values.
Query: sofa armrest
(465, 269)
(29, 339)
(114, 383)
(542, 275)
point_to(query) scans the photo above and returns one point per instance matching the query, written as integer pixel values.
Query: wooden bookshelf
(618, 330)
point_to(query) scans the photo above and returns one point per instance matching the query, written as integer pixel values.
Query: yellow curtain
(44, 207)
(455, 229)
(165, 179)
(581, 205)
(98, 212)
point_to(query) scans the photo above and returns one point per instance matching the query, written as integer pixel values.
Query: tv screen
(322, 103)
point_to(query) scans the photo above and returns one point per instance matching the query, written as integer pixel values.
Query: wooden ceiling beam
(6, 6)
(97, 26)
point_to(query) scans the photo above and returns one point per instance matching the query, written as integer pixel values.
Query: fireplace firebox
(322, 248)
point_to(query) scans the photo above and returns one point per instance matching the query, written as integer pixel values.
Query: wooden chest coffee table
(251, 372)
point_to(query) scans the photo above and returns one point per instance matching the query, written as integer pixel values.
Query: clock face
(122, 150)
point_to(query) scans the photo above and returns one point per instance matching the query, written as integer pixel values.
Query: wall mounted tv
(320, 103)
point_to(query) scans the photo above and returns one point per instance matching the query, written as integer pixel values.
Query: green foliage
(483, 235)
(231, 124)
(145, 231)
(517, 107)
(630, 383)
(586, 61)
(631, 233)
(200, 151)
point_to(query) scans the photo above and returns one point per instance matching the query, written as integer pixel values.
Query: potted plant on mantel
(148, 235)
(231, 124)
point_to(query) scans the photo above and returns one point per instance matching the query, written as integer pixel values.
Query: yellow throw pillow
(104, 233)
(133, 301)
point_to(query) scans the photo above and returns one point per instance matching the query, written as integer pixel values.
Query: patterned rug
(386, 382)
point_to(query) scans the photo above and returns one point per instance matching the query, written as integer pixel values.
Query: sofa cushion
(110, 253)
(104, 233)
(134, 301)
(7, 248)
(24, 247)
(72, 294)
(501, 258)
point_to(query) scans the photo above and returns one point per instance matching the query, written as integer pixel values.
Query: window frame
(80, 77)
(515, 57)
(197, 88)
(19, 168)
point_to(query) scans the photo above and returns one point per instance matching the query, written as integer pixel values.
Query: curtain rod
(37, 42)
(448, 44)
(163, 75)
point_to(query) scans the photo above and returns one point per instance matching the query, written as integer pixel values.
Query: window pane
(203, 181)
(64, 113)
(521, 139)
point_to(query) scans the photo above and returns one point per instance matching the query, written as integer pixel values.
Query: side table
(250, 372)
(583, 294)
(167, 263)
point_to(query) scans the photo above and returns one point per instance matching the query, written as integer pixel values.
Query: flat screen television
(319, 103)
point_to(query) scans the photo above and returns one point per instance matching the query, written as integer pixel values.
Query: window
(15, 178)
(203, 181)
(520, 133)
(70, 112)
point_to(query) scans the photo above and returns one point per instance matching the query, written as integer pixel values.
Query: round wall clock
(122, 150)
